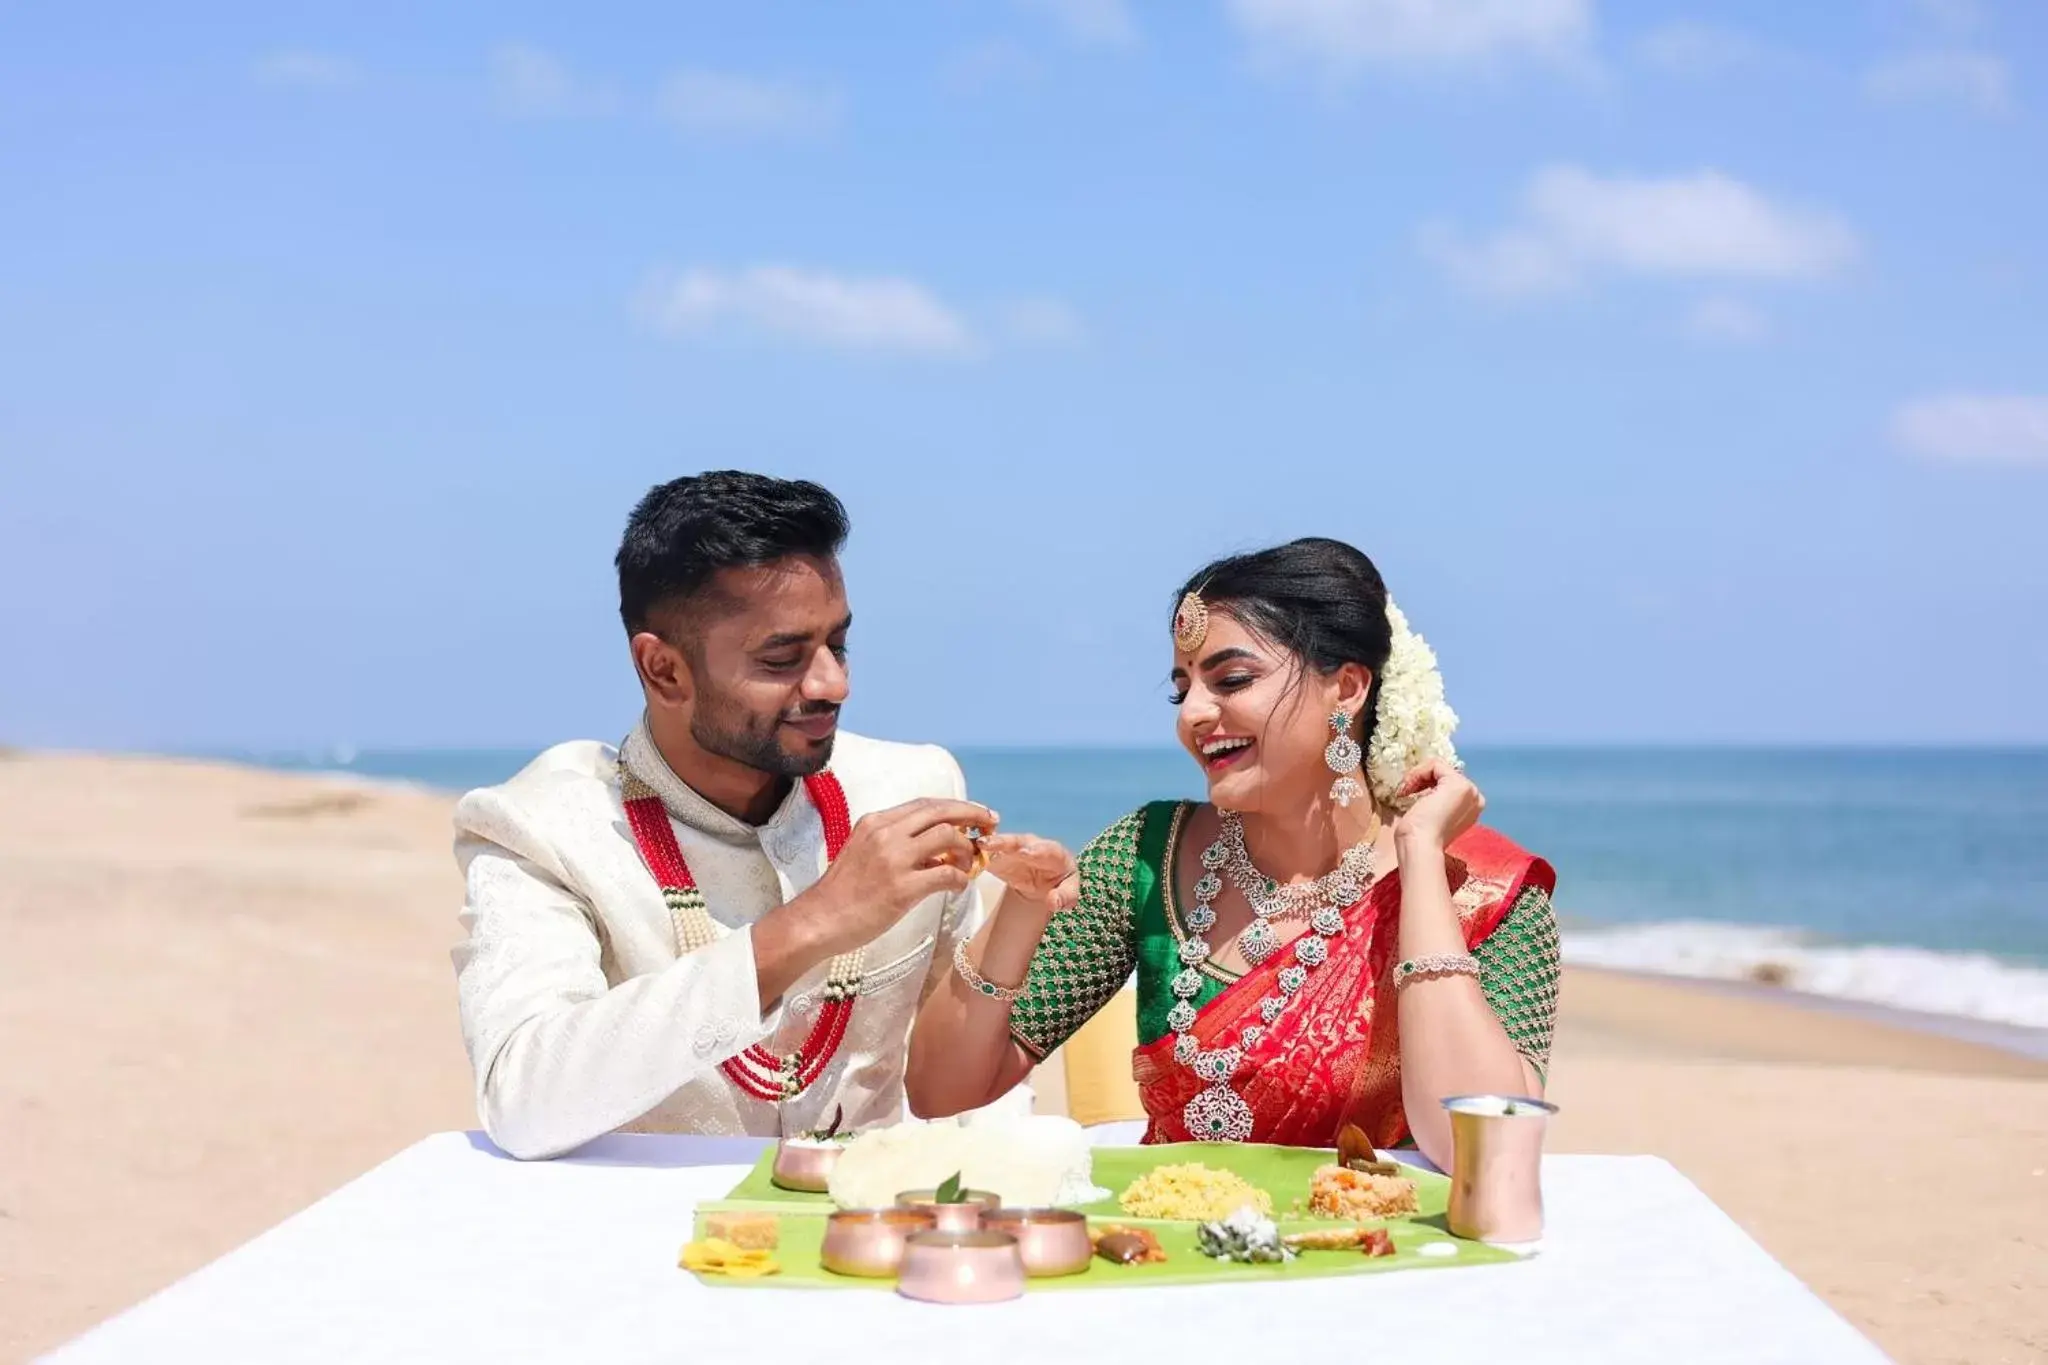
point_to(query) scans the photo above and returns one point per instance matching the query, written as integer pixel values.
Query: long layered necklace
(1272, 901)
(760, 1072)
(1218, 1113)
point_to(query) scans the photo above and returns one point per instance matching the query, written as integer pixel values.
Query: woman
(1330, 939)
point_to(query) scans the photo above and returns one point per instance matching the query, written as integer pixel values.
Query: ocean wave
(1963, 985)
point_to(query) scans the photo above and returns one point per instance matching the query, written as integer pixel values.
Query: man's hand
(895, 859)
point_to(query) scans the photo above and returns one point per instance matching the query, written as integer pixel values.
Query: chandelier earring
(1343, 755)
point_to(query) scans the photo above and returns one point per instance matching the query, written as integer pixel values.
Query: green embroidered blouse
(1125, 924)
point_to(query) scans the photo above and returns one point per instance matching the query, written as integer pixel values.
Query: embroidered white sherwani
(579, 1013)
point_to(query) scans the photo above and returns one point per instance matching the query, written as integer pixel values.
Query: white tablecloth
(452, 1252)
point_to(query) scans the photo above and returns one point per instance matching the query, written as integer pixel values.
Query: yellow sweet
(716, 1256)
(752, 1270)
(748, 1231)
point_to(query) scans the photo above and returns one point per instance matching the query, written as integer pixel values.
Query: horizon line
(329, 750)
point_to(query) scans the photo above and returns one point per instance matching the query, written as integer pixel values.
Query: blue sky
(1684, 367)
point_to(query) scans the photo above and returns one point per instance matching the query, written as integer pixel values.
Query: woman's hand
(1448, 804)
(1036, 869)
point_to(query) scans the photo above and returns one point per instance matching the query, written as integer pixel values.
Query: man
(659, 936)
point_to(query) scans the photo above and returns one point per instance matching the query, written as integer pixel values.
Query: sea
(1914, 880)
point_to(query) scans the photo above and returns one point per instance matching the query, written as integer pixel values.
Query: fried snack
(1126, 1246)
(1192, 1192)
(1336, 1192)
(1328, 1239)
(1371, 1241)
(716, 1256)
(747, 1231)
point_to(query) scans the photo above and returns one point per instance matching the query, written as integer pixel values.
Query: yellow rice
(1192, 1191)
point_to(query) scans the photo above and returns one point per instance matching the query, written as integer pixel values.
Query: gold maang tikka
(1190, 623)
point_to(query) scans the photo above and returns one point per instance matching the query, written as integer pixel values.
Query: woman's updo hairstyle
(1321, 600)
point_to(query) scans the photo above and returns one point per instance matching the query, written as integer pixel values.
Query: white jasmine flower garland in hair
(1413, 723)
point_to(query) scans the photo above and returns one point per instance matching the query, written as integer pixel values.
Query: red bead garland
(759, 1072)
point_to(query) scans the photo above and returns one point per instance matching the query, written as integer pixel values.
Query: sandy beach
(224, 992)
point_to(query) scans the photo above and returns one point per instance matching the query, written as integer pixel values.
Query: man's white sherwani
(579, 1013)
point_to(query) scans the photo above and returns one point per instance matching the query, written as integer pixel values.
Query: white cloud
(1690, 49)
(1986, 427)
(724, 104)
(1342, 36)
(1043, 322)
(1958, 16)
(300, 69)
(530, 82)
(1726, 320)
(1976, 79)
(1092, 23)
(987, 66)
(877, 313)
(1509, 264)
(1704, 224)
(1575, 223)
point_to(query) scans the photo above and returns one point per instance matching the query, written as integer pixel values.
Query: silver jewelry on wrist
(980, 984)
(1436, 965)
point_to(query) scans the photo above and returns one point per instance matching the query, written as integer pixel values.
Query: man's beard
(743, 737)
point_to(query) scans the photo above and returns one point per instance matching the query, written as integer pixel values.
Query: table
(451, 1251)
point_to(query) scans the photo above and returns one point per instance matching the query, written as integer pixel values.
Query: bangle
(1435, 965)
(980, 984)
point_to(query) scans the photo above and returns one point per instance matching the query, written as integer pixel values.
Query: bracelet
(1435, 965)
(981, 984)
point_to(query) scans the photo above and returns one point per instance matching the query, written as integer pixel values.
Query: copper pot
(869, 1242)
(961, 1267)
(1049, 1241)
(802, 1164)
(965, 1216)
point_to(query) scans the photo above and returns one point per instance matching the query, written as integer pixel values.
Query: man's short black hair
(685, 531)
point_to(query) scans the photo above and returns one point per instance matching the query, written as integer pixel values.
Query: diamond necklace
(1218, 1113)
(1270, 900)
